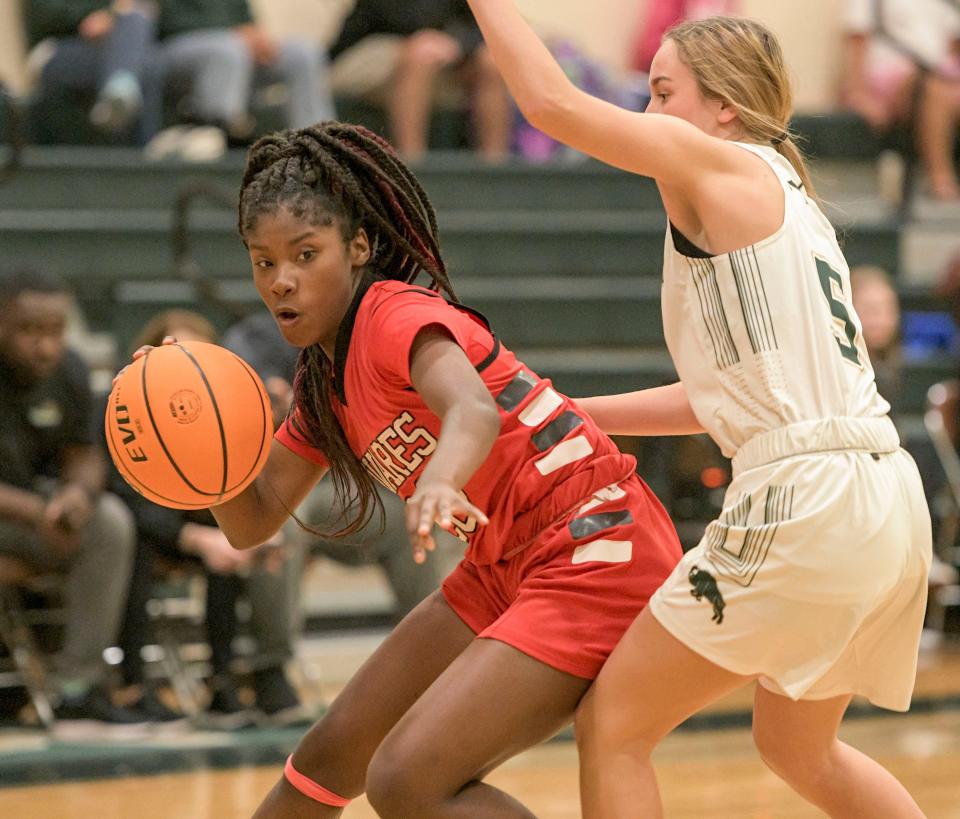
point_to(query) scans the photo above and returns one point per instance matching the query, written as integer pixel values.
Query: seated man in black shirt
(437, 35)
(54, 515)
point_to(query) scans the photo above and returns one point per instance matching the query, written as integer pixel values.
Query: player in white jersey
(813, 578)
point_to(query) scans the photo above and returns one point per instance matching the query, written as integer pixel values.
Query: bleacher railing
(14, 119)
(186, 266)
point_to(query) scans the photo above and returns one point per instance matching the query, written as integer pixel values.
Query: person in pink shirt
(662, 15)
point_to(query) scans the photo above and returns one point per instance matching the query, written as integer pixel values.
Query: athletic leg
(335, 753)
(651, 683)
(492, 108)
(493, 702)
(422, 56)
(220, 69)
(798, 741)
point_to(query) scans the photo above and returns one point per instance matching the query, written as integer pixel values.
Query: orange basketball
(189, 425)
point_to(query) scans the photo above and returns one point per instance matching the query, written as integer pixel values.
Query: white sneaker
(191, 143)
(165, 144)
(202, 143)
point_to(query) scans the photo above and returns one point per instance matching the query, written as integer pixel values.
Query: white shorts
(814, 577)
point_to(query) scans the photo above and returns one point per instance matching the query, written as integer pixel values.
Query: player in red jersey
(401, 384)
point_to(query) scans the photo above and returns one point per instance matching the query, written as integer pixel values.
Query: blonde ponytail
(740, 61)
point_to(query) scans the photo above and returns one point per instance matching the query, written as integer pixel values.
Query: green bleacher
(564, 259)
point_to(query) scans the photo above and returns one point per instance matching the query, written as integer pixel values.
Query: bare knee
(228, 54)
(392, 787)
(331, 756)
(793, 761)
(112, 527)
(601, 728)
(426, 52)
(766, 741)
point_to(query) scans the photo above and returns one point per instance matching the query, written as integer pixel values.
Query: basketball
(189, 425)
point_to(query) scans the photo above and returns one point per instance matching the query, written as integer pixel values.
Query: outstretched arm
(666, 148)
(452, 389)
(656, 411)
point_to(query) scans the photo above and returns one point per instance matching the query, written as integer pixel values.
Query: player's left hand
(435, 501)
(140, 352)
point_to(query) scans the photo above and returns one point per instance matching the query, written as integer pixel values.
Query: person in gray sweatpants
(223, 54)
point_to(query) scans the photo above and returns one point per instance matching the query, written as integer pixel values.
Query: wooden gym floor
(712, 774)
(708, 770)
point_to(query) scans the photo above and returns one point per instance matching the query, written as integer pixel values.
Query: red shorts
(567, 598)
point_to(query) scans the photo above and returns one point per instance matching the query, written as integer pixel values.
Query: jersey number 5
(828, 278)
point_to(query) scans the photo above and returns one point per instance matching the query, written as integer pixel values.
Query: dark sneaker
(153, 709)
(13, 701)
(277, 699)
(93, 716)
(227, 712)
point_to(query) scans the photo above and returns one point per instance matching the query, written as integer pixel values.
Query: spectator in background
(890, 48)
(105, 48)
(437, 35)
(876, 302)
(54, 514)
(948, 289)
(267, 577)
(258, 341)
(662, 15)
(221, 53)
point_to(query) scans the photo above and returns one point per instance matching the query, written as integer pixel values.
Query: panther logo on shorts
(704, 585)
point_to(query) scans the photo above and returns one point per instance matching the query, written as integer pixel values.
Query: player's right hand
(435, 501)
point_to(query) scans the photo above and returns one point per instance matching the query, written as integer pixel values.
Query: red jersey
(548, 457)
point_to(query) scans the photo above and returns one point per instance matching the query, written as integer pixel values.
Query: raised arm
(666, 148)
(657, 411)
(257, 513)
(711, 189)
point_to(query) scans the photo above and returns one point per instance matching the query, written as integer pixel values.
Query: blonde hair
(739, 61)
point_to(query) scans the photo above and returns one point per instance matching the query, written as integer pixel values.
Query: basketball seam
(132, 479)
(159, 437)
(265, 414)
(216, 410)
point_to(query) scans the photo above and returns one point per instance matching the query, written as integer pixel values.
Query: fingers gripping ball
(189, 425)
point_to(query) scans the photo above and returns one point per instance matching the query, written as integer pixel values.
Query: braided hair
(336, 173)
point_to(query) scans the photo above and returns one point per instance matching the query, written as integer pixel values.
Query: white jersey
(766, 336)
(824, 534)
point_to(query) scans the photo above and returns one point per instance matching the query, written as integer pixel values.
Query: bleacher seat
(563, 259)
